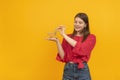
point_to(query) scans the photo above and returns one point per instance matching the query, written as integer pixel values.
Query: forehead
(78, 19)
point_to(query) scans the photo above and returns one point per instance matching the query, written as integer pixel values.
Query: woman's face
(79, 24)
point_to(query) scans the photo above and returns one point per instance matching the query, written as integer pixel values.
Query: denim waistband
(72, 64)
(75, 63)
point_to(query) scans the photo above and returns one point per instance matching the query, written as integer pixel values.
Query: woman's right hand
(52, 39)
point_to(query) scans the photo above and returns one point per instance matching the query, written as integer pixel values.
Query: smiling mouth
(77, 27)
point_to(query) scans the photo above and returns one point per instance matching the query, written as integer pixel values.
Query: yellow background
(24, 24)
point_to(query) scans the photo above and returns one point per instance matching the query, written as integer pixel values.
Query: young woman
(75, 49)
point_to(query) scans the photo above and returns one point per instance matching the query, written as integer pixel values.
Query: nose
(77, 23)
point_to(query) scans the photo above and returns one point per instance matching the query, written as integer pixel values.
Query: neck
(79, 34)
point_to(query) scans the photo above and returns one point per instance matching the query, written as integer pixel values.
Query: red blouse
(80, 53)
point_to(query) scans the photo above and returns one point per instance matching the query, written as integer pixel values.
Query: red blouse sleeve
(64, 46)
(86, 47)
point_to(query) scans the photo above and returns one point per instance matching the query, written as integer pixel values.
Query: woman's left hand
(61, 29)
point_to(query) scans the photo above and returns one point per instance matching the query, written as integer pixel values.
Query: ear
(85, 25)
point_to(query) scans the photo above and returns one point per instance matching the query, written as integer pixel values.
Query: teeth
(78, 27)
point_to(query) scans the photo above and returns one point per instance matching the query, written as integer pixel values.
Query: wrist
(63, 34)
(57, 40)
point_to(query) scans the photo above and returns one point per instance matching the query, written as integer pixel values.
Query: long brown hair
(86, 30)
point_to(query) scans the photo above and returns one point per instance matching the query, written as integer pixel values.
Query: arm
(71, 41)
(60, 49)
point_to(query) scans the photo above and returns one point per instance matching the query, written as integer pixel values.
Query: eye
(80, 22)
(75, 21)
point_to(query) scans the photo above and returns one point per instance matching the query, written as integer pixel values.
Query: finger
(47, 38)
(61, 26)
(51, 39)
(58, 28)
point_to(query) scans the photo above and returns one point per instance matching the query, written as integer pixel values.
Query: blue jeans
(71, 72)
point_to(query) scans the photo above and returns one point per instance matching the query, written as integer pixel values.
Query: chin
(78, 30)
